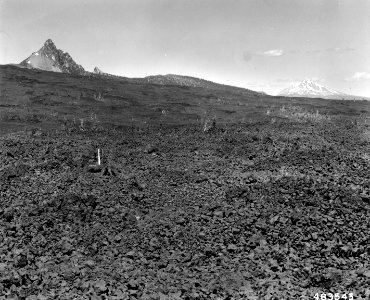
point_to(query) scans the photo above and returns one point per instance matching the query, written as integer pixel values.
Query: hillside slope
(49, 98)
(179, 80)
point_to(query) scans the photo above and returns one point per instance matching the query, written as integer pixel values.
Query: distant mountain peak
(310, 88)
(50, 58)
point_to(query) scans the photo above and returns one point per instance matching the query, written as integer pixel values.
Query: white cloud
(359, 76)
(322, 50)
(273, 52)
(248, 55)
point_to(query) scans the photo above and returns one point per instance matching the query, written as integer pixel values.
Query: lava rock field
(251, 211)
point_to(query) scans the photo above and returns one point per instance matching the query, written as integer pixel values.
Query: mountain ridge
(189, 81)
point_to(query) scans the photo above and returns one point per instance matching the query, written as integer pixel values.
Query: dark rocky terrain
(202, 193)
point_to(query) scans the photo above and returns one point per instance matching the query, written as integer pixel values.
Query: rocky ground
(273, 209)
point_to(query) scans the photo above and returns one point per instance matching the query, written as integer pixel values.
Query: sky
(263, 45)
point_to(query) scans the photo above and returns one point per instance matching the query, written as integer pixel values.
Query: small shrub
(209, 124)
(82, 128)
(98, 96)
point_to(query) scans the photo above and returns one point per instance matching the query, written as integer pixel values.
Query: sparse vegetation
(209, 124)
(98, 96)
(298, 113)
(208, 121)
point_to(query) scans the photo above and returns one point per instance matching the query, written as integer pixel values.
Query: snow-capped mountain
(311, 89)
(49, 58)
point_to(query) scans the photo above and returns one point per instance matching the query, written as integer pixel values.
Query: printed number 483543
(336, 296)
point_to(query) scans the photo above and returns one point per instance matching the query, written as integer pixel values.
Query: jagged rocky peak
(98, 71)
(50, 58)
(49, 49)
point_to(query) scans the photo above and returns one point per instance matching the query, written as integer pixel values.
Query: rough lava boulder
(98, 71)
